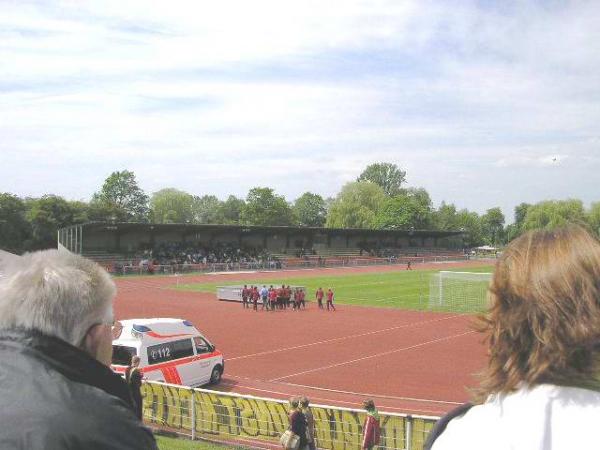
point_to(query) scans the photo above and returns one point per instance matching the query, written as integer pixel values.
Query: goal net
(459, 291)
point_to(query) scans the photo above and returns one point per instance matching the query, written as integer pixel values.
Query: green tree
(264, 208)
(120, 199)
(310, 210)
(231, 210)
(593, 217)
(207, 209)
(445, 217)
(492, 223)
(356, 206)
(410, 209)
(470, 224)
(171, 205)
(387, 175)
(15, 230)
(46, 215)
(554, 213)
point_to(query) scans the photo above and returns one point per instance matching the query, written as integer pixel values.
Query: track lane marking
(352, 336)
(422, 344)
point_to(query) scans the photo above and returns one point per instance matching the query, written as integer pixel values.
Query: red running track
(407, 361)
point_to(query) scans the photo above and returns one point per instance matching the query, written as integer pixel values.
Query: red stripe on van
(171, 375)
(154, 334)
(177, 362)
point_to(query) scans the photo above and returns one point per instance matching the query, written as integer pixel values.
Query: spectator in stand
(310, 423)
(133, 377)
(541, 388)
(371, 427)
(330, 297)
(319, 296)
(297, 422)
(56, 332)
(264, 295)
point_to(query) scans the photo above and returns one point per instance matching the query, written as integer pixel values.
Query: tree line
(378, 199)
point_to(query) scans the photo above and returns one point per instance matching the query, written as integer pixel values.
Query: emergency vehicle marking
(171, 375)
(177, 362)
(154, 334)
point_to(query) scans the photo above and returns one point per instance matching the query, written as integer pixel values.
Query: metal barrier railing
(278, 265)
(227, 417)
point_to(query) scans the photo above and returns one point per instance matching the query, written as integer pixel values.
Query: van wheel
(215, 375)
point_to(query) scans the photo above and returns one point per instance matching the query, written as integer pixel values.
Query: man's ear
(93, 339)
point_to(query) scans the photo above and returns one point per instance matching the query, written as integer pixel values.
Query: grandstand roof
(195, 228)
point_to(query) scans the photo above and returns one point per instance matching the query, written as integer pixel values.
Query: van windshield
(122, 355)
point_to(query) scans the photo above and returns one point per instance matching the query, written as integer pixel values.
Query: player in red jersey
(273, 297)
(245, 295)
(330, 299)
(255, 295)
(319, 296)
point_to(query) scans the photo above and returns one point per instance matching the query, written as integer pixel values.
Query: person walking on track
(330, 296)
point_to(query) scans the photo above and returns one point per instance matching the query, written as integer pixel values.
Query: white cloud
(193, 94)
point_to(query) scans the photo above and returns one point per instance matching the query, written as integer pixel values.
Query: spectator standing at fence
(310, 423)
(330, 297)
(371, 427)
(540, 389)
(297, 422)
(319, 296)
(264, 295)
(56, 332)
(133, 377)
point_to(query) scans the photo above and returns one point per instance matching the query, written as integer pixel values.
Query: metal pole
(409, 430)
(193, 414)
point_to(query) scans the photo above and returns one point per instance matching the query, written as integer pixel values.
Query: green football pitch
(407, 289)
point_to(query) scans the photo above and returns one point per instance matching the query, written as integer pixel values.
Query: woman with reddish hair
(540, 389)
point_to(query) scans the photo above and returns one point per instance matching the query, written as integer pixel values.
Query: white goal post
(459, 291)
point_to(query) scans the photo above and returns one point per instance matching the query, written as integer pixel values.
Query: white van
(170, 350)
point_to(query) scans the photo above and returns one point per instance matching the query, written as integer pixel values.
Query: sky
(483, 103)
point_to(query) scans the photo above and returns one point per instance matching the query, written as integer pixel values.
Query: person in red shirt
(273, 297)
(330, 299)
(245, 295)
(371, 427)
(281, 297)
(255, 296)
(302, 295)
(319, 296)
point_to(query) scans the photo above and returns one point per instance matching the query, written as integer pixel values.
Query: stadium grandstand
(135, 247)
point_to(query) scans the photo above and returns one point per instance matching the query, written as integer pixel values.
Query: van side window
(168, 351)
(201, 345)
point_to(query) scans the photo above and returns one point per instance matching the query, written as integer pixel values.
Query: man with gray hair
(56, 331)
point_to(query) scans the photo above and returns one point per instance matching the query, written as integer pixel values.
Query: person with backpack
(371, 428)
(133, 377)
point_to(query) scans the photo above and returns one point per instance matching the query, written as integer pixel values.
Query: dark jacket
(55, 396)
(298, 426)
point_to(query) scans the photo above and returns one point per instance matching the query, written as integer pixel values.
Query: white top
(546, 417)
